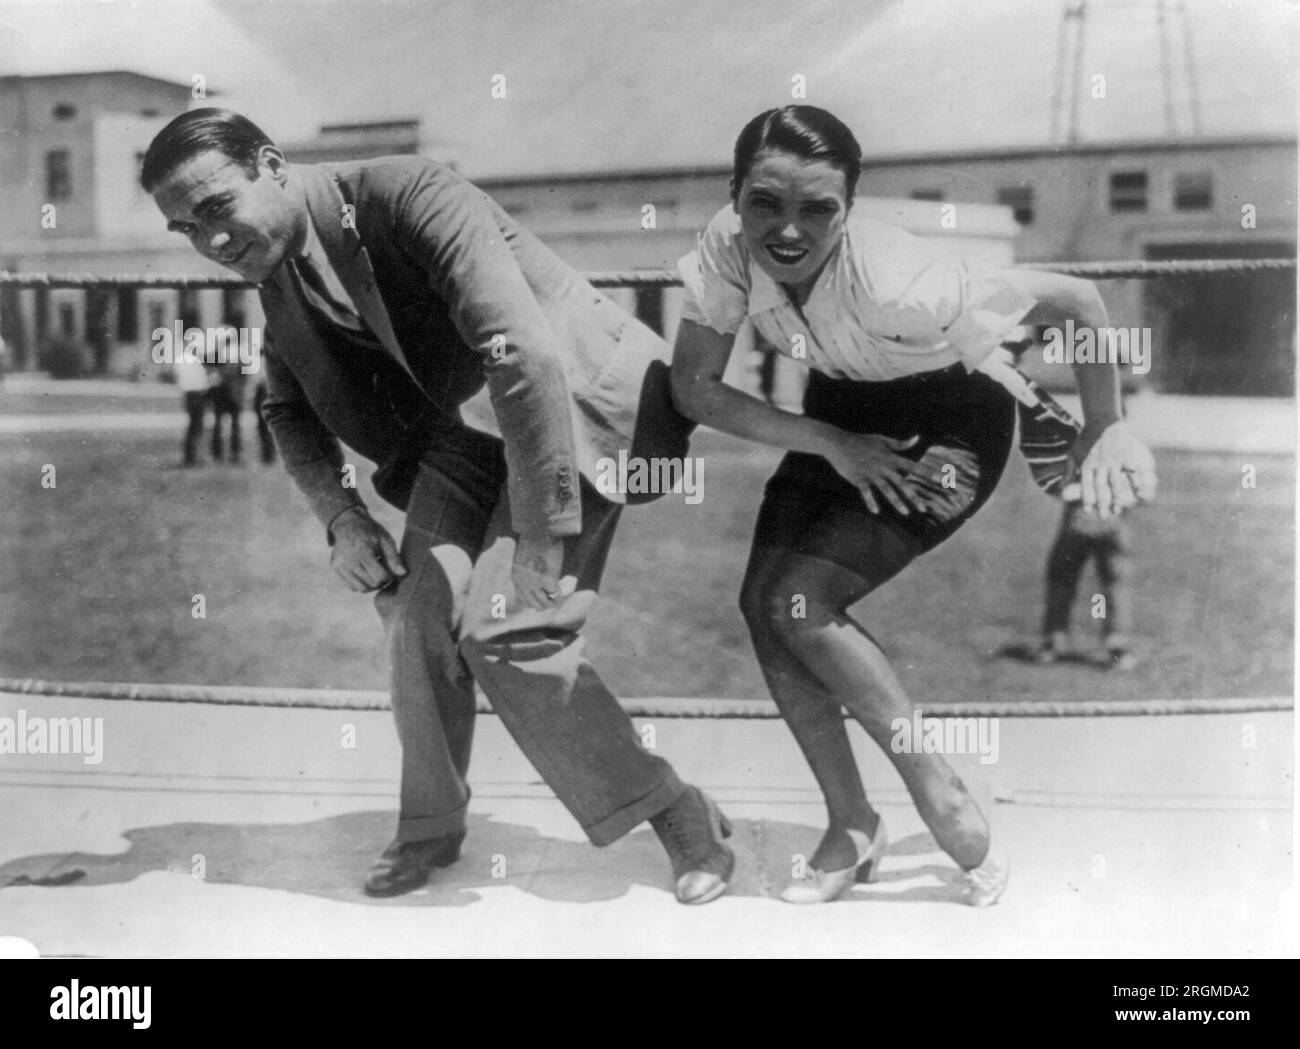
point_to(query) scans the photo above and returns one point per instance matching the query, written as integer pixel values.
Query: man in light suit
(394, 290)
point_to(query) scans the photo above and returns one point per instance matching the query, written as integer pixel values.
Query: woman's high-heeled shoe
(824, 886)
(982, 885)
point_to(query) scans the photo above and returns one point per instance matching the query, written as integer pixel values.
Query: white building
(82, 137)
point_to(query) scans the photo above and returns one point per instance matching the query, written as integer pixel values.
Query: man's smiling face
(247, 224)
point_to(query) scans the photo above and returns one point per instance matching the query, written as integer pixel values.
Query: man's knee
(484, 623)
(419, 605)
(477, 640)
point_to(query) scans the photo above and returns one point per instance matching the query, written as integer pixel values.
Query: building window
(927, 194)
(58, 175)
(155, 317)
(1128, 191)
(1020, 199)
(128, 315)
(188, 308)
(1193, 192)
(233, 301)
(64, 111)
(67, 320)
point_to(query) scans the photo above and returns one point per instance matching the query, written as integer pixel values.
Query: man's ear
(270, 159)
(735, 194)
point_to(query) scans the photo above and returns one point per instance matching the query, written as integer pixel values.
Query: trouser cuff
(617, 824)
(422, 828)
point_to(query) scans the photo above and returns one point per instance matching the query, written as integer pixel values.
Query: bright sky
(600, 84)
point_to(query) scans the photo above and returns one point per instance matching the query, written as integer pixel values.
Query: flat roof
(1155, 145)
(98, 72)
(1190, 145)
(371, 125)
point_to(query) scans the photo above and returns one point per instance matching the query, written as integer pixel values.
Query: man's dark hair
(196, 132)
(805, 131)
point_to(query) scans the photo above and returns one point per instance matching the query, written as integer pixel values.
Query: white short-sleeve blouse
(887, 304)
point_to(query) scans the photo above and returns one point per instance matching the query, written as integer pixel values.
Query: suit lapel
(296, 341)
(348, 256)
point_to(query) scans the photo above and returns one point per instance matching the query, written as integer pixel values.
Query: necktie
(316, 292)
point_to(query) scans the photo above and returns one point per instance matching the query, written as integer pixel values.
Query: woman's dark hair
(196, 132)
(805, 131)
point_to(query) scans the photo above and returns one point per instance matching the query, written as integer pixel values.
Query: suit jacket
(459, 295)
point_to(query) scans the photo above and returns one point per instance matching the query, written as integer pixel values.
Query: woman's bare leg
(813, 715)
(828, 647)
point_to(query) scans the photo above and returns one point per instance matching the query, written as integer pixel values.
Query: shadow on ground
(329, 858)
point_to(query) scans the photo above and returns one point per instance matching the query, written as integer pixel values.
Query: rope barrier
(1144, 270)
(656, 707)
(1117, 270)
(344, 699)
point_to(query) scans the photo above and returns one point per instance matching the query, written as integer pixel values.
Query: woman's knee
(791, 602)
(769, 601)
(753, 601)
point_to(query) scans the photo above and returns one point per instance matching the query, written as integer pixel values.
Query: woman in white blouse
(907, 425)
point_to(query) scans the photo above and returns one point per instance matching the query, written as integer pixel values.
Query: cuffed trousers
(454, 619)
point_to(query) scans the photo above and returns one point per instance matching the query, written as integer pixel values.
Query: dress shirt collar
(313, 251)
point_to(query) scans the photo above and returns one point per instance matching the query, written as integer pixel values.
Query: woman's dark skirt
(965, 422)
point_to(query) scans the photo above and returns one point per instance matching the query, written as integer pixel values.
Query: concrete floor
(241, 831)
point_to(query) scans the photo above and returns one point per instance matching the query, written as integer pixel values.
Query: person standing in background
(1082, 537)
(228, 381)
(266, 445)
(192, 378)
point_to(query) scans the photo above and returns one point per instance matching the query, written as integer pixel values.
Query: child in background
(1079, 538)
(1047, 433)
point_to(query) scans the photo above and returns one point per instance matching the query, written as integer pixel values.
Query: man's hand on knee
(365, 556)
(536, 572)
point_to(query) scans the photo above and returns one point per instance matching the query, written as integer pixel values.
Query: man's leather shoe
(406, 865)
(691, 830)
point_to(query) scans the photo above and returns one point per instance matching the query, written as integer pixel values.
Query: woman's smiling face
(792, 213)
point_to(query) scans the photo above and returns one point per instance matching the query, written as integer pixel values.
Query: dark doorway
(1223, 333)
(128, 315)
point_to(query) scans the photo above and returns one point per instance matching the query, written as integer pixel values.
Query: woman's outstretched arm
(1117, 469)
(869, 461)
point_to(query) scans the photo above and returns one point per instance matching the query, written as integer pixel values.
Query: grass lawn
(97, 577)
(159, 399)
